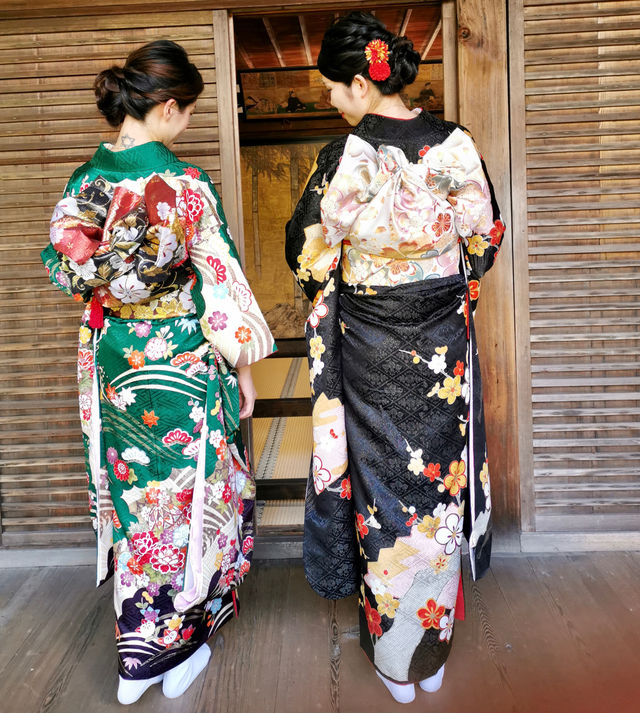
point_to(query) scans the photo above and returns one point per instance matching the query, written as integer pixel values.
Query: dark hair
(342, 52)
(152, 74)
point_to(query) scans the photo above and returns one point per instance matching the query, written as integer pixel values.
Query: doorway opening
(285, 118)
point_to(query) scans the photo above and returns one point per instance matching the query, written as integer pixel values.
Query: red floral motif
(167, 559)
(188, 632)
(345, 492)
(85, 361)
(121, 470)
(373, 619)
(411, 520)
(177, 436)
(431, 614)
(474, 289)
(143, 543)
(116, 520)
(218, 268)
(244, 568)
(459, 369)
(496, 232)
(247, 545)
(432, 471)
(226, 493)
(193, 172)
(424, 150)
(185, 496)
(193, 205)
(442, 224)
(186, 511)
(360, 526)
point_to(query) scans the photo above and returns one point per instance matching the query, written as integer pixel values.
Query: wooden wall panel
(48, 125)
(576, 163)
(484, 110)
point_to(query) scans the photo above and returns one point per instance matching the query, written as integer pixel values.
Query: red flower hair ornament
(377, 54)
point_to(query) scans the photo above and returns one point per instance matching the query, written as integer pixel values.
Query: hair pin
(377, 54)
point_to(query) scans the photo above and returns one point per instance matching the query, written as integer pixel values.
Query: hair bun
(108, 87)
(343, 53)
(152, 74)
(405, 62)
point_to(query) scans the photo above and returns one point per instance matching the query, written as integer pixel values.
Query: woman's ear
(169, 108)
(359, 86)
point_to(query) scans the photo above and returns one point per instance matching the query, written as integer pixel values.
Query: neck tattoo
(127, 141)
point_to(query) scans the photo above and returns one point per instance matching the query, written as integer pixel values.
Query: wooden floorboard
(543, 634)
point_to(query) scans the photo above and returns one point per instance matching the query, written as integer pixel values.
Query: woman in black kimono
(396, 226)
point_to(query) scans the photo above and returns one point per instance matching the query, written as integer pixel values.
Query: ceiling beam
(305, 39)
(405, 21)
(432, 39)
(274, 41)
(245, 55)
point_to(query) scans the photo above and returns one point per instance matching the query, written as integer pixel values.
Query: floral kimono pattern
(390, 238)
(141, 238)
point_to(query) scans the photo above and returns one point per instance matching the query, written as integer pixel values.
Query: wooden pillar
(228, 125)
(450, 60)
(483, 107)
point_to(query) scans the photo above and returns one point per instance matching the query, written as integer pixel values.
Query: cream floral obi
(401, 222)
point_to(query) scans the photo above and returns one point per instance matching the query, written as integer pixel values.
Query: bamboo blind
(48, 125)
(581, 71)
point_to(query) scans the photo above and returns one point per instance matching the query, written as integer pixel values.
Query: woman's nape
(362, 97)
(164, 122)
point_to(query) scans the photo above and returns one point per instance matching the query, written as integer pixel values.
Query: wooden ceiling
(293, 40)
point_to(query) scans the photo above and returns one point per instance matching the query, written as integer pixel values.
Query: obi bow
(381, 198)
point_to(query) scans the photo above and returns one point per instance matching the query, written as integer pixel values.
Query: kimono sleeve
(227, 309)
(307, 253)
(478, 220)
(56, 264)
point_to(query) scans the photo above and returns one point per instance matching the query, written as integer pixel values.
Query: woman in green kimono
(391, 236)
(170, 329)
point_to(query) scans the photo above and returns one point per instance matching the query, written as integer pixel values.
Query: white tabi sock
(130, 690)
(178, 679)
(433, 683)
(401, 692)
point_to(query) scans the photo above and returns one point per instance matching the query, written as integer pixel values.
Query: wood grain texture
(484, 109)
(579, 210)
(50, 125)
(542, 633)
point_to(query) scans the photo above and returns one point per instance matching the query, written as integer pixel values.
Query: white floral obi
(398, 221)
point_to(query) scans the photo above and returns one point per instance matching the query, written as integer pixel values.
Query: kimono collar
(151, 156)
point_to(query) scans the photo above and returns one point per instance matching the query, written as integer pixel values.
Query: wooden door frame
(475, 47)
(480, 35)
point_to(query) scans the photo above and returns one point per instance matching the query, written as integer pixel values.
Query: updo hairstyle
(342, 53)
(152, 74)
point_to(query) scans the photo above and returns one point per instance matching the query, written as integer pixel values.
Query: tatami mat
(294, 454)
(281, 513)
(282, 446)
